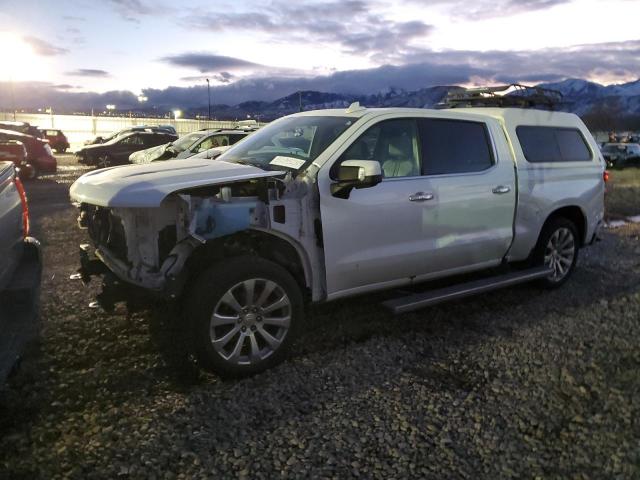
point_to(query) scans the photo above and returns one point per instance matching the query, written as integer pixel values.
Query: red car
(57, 140)
(13, 151)
(39, 154)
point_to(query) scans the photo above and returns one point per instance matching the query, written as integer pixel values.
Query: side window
(392, 143)
(212, 142)
(454, 146)
(235, 137)
(132, 140)
(202, 146)
(553, 144)
(153, 140)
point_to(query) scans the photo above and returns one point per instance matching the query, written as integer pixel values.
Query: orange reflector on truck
(25, 207)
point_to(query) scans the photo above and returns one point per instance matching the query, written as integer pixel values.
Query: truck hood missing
(145, 186)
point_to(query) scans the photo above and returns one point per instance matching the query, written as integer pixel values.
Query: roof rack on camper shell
(512, 95)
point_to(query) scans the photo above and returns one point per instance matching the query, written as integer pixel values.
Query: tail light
(605, 176)
(25, 207)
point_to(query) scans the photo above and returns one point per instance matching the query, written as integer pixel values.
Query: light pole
(13, 97)
(209, 98)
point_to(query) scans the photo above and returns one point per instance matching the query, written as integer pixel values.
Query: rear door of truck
(10, 224)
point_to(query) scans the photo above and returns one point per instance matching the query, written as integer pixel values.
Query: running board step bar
(416, 301)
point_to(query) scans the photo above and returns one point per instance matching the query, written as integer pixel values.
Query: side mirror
(356, 174)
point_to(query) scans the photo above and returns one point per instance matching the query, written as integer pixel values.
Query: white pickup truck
(328, 204)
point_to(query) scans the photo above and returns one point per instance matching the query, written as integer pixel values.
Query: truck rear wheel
(243, 315)
(558, 249)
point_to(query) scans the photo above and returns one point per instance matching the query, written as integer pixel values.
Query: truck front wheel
(557, 249)
(243, 314)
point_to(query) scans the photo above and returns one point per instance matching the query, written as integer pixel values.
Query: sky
(264, 49)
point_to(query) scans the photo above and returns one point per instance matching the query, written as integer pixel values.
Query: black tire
(557, 224)
(206, 298)
(31, 175)
(61, 150)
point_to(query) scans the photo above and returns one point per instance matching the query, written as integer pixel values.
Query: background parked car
(621, 155)
(20, 271)
(138, 128)
(13, 151)
(21, 127)
(39, 154)
(118, 150)
(191, 144)
(57, 140)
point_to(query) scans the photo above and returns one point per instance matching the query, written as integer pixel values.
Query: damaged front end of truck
(153, 228)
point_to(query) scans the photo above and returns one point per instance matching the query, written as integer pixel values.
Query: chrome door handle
(501, 189)
(420, 197)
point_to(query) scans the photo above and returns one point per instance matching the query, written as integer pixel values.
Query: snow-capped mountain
(579, 96)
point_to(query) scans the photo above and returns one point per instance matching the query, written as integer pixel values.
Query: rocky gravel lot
(521, 383)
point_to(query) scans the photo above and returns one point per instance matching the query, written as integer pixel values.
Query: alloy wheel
(560, 253)
(250, 321)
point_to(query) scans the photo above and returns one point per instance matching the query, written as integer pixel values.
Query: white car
(328, 204)
(194, 143)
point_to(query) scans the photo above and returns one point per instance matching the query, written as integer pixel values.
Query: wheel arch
(573, 213)
(270, 245)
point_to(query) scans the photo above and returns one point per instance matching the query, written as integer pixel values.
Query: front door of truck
(445, 205)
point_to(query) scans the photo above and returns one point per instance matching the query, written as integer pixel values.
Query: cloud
(41, 47)
(483, 9)
(64, 86)
(603, 60)
(132, 10)
(609, 62)
(37, 94)
(73, 18)
(207, 62)
(222, 77)
(88, 72)
(349, 24)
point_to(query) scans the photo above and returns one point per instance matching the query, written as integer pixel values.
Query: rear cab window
(553, 144)
(454, 146)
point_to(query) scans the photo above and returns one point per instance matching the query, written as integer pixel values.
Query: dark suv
(117, 151)
(137, 128)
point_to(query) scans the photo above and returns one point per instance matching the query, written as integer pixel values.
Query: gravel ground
(518, 383)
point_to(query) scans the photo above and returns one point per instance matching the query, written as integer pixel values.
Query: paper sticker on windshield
(287, 162)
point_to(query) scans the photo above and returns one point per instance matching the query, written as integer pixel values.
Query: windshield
(291, 142)
(116, 138)
(185, 142)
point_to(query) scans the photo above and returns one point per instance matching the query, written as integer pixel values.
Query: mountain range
(578, 96)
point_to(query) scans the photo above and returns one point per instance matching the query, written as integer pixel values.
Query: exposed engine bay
(150, 247)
